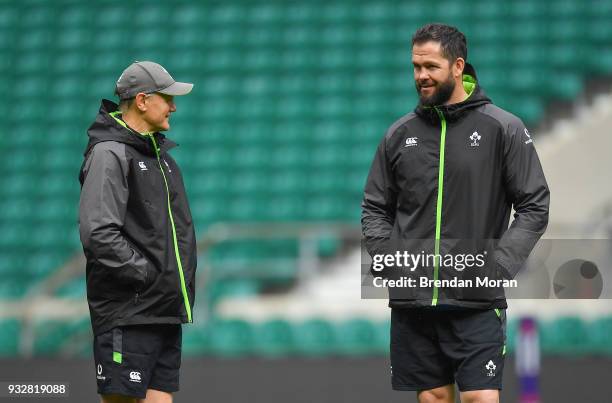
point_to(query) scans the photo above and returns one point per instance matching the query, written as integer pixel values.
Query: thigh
(417, 363)
(474, 340)
(165, 376)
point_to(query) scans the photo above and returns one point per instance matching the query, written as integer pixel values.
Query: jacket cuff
(502, 270)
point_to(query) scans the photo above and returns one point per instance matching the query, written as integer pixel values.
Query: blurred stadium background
(290, 101)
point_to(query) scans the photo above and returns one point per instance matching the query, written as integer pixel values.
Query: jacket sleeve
(527, 190)
(102, 209)
(379, 202)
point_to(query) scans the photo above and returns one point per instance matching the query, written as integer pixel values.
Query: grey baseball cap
(148, 77)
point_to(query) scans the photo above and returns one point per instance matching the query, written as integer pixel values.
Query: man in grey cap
(138, 239)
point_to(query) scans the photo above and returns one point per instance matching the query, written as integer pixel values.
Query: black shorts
(131, 359)
(433, 347)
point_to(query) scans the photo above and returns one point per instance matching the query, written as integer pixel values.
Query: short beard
(441, 94)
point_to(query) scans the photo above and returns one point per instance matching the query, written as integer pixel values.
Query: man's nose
(422, 75)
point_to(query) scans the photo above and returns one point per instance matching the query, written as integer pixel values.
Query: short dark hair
(125, 104)
(453, 42)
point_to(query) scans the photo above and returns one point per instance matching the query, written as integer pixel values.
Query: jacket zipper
(174, 239)
(434, 299)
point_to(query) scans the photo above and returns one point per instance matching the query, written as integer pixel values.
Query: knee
(480, 396)
(438, 395)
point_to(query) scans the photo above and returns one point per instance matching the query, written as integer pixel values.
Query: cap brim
(177, 89)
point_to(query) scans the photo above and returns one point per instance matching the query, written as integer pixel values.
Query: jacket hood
(106, 128)
(476, 97)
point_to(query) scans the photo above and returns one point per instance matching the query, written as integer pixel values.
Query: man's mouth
(427, 88)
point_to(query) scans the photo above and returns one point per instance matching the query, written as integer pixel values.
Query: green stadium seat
(244, 209)
(511, 335)
(210, 183)
(337, 13)
(9, 337)
(188, 15)
(54, 336)
(564, 86)
(8, 15)
(488, 10)
(196, 339)
(567, 9)
(599, 8)
(528, 109)
(564, 336)
(564, 56)
(600, 336)
(454, 13)
(226, 14)
(382, 337)
(223, 288)
(567, 30)
(40, 16)
(284, 208)
(523, 9)
(322, 184)
(296, 13)
(13, 288)
(288, 157)
(601, 61)
(42, 263)
(328, 245)
(273, 338)
(75, 289)
(375, 12)
(315, 337)
(356, 337)
(37, 40)
(324, 208)
(152, 16)
(231, 337)
(207, 211)
(599, 31)
(112, 16)
(76, 16)
(15, 237)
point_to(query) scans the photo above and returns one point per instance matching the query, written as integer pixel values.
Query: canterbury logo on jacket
(135, 226)
(444, 180)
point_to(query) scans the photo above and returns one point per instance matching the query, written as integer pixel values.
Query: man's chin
(427, 101)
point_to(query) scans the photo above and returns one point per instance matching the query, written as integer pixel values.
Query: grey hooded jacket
(135, 226)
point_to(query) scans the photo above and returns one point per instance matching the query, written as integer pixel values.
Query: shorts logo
(529, 139)
(142, 166)
(490, 367)
(135, 376)
(99, 373)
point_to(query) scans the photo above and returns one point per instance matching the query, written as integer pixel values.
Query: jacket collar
(108, 127)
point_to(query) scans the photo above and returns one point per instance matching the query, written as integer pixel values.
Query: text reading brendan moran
(458, 262)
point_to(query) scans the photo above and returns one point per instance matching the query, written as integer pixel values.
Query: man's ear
(139, 101)
(458, 67)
